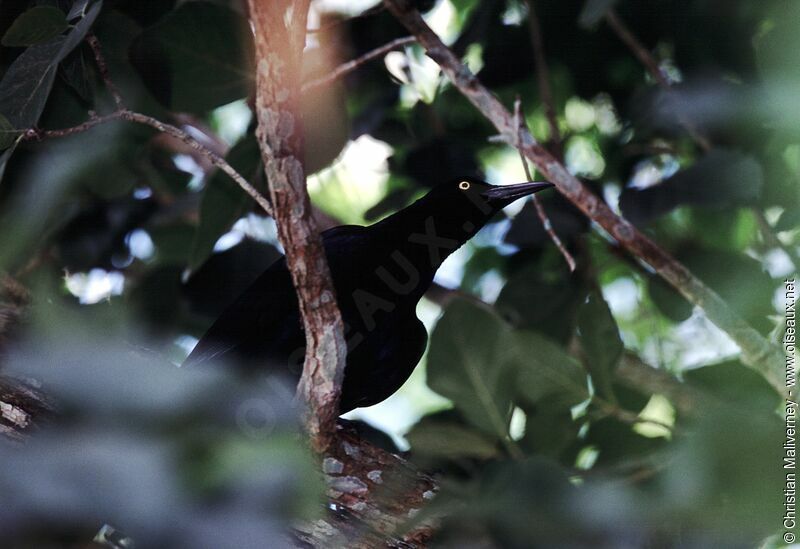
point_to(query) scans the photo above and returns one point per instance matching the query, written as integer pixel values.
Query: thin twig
(102, 66)
(543, 78)
(121, 113)
(169, 129)
(651, 65)
(350, 66)
(215, 159)
(548, 226)
(36, 134)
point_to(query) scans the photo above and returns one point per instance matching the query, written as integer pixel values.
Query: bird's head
(466, 204)
(451, 213)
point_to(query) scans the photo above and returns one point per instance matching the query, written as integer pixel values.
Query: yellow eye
(464, 185)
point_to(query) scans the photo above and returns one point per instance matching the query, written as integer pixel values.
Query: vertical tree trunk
(280, 29)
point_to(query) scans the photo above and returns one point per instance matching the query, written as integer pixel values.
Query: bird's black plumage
(379, 273)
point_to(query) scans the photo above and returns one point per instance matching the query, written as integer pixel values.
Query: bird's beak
(506, 194)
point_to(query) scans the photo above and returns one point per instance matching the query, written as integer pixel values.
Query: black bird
(380, 272)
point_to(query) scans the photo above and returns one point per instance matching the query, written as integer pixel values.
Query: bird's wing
(252, 316)
(267, 310)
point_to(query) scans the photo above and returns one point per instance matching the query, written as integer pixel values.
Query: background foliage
(130, 240)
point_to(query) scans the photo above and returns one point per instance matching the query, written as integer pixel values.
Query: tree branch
(163, 127)
(279, 27)
(102, 67)
(348, 67)
(757, 352)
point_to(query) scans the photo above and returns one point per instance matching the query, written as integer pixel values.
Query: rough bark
(757, 352)
(279, 27)
(372, 494)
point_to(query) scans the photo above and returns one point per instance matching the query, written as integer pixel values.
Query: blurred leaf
(711, 479)
(26, 84)
(735, 383)
(197, 57)
(173, 243)
(668, 301)
(549, 428)
(789, 220)
(468, 363)
(776, 47)
(326, 126)
(594, 11)
(38, 24)
(720, 179)
(727, 273)
(600, 340)
(618, 442)
(514, 504)
(223, 201)
(447, 439)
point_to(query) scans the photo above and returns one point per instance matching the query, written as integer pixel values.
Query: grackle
(379, 272)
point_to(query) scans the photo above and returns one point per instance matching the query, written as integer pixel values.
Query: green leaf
(172, 243)
(26, 84)
(734, 383)
(468, 363)
(483, 365)
(447, 439)
(549, 429)
(197, 57)
(544, 369)
(223, 201)
(37, 25)
(617, 442)
(601, 342)
(593, 12)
